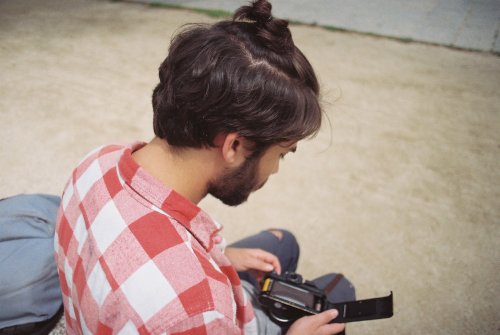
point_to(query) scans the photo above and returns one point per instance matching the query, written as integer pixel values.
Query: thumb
(326, 316)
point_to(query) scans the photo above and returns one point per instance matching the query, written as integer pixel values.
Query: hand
(255, 261)
(317, 324)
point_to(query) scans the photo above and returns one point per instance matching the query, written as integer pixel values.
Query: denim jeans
(29, 283)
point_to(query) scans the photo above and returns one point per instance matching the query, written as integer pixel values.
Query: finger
(331, 328)
(270, 258)
(327, 328)
(277, 265)
(261, 265)
(325, 317)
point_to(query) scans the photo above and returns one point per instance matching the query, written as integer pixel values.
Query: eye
(282, 156)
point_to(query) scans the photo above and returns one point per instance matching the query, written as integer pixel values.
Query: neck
(187, 171)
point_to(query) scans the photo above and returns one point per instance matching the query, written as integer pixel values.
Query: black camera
(288, 297)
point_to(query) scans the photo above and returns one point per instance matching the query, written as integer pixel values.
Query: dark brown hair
(244, 76)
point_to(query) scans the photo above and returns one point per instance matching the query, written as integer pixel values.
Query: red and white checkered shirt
(135, 257)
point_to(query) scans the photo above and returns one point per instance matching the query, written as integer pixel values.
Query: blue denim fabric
(29, 283)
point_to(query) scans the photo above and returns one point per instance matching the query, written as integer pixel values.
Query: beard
(234, 186)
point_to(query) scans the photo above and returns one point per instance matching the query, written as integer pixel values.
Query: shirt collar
(162, 197)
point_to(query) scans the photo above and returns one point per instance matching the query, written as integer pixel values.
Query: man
(135, 254)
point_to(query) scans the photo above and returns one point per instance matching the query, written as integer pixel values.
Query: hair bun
(273, 32)
(259, 11)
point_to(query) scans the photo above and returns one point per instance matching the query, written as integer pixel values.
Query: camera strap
(361, 310)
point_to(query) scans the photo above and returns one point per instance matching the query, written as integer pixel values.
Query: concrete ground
(400, 192)
(467, 24)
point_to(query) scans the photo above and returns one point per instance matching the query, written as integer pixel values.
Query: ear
(233, 148)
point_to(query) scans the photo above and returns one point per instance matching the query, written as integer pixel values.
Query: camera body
(288, 297)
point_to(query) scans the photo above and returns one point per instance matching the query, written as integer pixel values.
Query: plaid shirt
(135, 257)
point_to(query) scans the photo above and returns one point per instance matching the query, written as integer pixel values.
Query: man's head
(242, 76)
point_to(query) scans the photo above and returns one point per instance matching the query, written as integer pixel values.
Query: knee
(337, 287)
(283, 235)
(288, 240)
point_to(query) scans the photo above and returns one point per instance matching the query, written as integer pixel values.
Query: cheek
(276, 167)
(271, 167)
